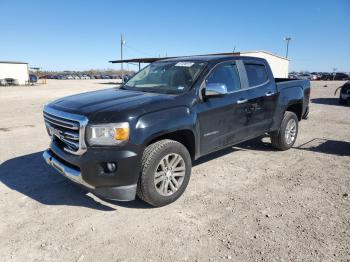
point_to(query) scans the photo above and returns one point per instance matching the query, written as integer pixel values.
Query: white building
(279, 65)
(16, 70)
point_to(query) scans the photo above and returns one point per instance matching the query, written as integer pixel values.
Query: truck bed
(286, 82)
(290, 87)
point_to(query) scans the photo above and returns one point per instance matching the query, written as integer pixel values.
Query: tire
(279, 139)
(152, 186)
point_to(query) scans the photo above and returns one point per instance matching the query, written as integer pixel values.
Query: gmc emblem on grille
(55, 132)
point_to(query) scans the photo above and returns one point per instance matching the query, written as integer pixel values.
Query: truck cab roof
(212, 58)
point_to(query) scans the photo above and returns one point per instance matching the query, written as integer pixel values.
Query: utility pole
(122, 42)
(334, 72)
(287, 39)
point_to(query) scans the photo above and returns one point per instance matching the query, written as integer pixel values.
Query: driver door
(222, 119)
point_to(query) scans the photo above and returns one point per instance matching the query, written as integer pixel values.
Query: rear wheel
(287, 134)
(165, 173)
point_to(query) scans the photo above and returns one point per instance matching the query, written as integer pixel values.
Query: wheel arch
(183, 136)
(296, 108)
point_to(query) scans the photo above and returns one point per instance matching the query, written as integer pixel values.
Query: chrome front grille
(66, 130)
(61, 122)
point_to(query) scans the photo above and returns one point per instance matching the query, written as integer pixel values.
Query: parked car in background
(84, 77)
(315, 76)
(326, 76)
(11, 82)
(77, 76)
(304, 76)
(344, 94)
(292, 76)
(33, 79)
(3, 82)
(126, 78)
(61, 77)
(340, 76)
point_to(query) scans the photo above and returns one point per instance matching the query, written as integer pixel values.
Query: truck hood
(104, 104)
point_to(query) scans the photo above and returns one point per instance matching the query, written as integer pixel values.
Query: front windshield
(166, 77)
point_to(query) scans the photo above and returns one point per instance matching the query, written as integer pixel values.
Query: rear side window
(256, 73)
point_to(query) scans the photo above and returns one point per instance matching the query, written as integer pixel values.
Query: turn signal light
(121, 133)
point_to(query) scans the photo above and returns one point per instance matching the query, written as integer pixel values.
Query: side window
(226, 74)
(256, 73)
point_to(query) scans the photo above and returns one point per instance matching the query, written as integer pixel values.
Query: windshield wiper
(157, 90)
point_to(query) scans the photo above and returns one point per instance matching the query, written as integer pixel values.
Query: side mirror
(215, 90)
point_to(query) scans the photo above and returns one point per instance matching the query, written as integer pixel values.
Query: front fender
(155, 124)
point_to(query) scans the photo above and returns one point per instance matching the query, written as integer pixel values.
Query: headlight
(107, 134)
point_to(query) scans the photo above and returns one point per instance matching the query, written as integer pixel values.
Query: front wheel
(287, 134)
(165, 173)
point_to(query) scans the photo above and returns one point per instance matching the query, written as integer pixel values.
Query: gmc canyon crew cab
(141, 139)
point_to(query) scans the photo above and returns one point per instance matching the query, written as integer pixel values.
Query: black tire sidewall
(148, 180)
(287, 117)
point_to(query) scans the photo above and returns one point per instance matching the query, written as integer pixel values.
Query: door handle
(269, 93)
(242, 101)
(250, 109)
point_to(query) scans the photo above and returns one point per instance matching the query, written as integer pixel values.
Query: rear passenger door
(261, 96)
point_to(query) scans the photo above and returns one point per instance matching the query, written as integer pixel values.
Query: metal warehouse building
(279, 65)
(15, 70)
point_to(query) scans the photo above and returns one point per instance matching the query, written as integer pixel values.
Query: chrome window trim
(256, 86)
(83, 122)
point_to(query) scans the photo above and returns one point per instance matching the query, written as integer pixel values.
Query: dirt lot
(245, 203)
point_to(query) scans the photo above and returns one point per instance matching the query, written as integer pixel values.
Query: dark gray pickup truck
(140, 139)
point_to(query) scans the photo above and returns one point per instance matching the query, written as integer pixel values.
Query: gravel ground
(245, 203)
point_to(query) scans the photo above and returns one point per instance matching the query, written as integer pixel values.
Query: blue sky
(75, 35)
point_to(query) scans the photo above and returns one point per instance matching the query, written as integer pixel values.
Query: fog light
(111, 167)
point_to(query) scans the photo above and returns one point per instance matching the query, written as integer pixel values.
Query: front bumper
(67, 171)
(87, 171)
